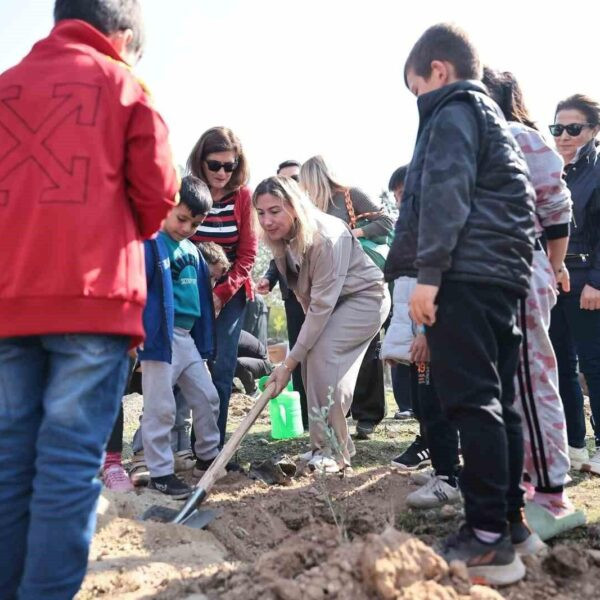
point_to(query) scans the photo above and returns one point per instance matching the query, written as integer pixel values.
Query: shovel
(190, 514)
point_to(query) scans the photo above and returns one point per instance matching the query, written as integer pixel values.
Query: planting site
(315, 537)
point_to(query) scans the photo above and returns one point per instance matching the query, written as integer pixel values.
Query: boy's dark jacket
(468, 204)
(159, 314)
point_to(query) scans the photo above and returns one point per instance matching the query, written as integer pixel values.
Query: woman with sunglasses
(345, 302)
(218, 159)
(330, 196)
(575, 323)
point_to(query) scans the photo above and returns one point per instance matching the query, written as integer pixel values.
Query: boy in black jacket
(466, 231)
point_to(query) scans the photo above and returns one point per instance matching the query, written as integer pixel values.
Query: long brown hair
(506, 92)
(219, 139)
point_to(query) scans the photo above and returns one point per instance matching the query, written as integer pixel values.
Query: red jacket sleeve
(152, 180)
(246, 250)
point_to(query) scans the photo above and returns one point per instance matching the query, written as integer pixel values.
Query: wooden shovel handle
(229, 449)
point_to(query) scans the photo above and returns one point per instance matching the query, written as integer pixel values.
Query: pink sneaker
(116, 479)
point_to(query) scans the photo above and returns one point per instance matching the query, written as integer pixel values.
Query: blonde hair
(302, 211)
(318, 182)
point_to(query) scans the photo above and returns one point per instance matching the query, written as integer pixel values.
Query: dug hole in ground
(348, 538)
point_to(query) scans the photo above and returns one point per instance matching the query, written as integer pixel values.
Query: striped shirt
(220, 226)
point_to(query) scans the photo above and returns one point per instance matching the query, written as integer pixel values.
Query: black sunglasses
(573, 129)
(215, 166)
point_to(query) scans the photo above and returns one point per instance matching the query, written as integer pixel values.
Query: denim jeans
(575, 335)
(59, 397)
(229, 326)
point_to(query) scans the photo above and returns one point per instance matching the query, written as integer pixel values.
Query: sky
(294, 78)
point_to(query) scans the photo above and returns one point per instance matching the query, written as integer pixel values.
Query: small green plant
(320, 417)
(332, 448)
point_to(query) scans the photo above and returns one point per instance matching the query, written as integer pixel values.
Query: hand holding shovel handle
(215, 470)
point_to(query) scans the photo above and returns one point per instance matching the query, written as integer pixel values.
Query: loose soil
(347, 538)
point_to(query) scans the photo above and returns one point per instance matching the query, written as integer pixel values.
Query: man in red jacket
(85, 175)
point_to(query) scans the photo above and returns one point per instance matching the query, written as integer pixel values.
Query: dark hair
(444, 42)
(194, 193)
(107, 16)
(213, 254)
(288, 163)
(584, 104)
(506, 92)
(219, 139)
(397, 178)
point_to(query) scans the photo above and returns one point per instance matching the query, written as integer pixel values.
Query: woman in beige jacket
(345, 300)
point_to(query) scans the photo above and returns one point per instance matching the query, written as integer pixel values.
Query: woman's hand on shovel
(280, 378)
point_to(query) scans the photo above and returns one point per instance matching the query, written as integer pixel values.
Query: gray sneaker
(487, 564)
(436, 492)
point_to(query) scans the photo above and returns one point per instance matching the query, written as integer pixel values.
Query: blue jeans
(59, 398)
(575, 336)
(229, 326)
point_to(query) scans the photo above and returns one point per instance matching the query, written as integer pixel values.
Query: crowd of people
(493, 265)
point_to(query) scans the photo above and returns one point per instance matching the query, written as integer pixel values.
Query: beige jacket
(334, 267)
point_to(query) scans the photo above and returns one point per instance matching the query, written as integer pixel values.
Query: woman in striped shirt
(218, 159)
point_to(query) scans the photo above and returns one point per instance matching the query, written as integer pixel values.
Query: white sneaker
(306, 456)
(595, 462)
(436, 492)
(422, 477)
(324, 464)
(580, 458)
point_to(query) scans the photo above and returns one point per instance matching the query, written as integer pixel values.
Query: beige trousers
(331, 368)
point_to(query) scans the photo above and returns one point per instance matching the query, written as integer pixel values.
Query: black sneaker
(415, 456)
(525, 541)
(488, 564)
(364, 430)
(170, 485)
(202, 466)
(402, 415)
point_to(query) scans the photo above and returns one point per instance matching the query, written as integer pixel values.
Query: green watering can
(285, 413)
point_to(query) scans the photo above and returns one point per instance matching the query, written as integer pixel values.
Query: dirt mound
(131, 559)
(316, 566)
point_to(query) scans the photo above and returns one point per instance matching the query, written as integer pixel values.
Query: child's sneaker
(170, 485)
(402, 415)
(488, 564)
(184, 460)
(423, 476)
(201, 466)
(415, 456)
(524, 540)
(436, 492)
(138, 472)
(548, 525)
(580, 458)
(594, 462)
(115, 479)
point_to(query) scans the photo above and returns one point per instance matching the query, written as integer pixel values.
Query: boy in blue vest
(179, 324)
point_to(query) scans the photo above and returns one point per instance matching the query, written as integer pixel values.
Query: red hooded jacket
(85, 174)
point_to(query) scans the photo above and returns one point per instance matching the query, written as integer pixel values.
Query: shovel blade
(197, 519)
(200, 518)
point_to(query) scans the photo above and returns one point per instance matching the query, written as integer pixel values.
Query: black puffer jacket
(468, 205)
